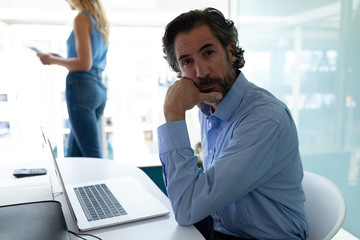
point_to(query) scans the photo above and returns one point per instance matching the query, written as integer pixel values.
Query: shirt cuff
(173, 135)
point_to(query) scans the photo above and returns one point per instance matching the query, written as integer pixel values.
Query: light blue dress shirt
(251, 182)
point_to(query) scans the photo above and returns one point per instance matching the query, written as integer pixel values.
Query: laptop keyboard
(98, 202)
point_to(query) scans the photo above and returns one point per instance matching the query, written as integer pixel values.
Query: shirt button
(211, 151)
(210, 124)
(218, 224)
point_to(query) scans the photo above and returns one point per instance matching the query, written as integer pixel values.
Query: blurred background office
(305, 52)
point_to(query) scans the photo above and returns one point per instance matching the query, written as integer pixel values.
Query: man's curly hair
(223, 29)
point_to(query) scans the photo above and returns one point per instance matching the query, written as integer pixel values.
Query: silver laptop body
(136, 202)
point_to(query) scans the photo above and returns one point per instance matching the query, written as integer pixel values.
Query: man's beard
(225, 82)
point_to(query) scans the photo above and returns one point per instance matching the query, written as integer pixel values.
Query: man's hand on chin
(183, 95)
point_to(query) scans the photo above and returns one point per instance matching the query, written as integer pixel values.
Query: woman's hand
(48, 58)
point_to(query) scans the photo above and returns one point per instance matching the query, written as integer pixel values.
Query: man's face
(202, 58)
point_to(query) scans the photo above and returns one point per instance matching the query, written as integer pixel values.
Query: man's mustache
(207, 81)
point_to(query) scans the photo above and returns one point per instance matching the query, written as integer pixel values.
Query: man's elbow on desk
(184, 221)
(185, 216)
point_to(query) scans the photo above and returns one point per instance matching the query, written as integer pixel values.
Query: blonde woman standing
(86, 94)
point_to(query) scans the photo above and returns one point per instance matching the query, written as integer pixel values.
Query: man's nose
(202, 70)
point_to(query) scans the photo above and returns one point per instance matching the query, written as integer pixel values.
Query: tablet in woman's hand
(35, 49)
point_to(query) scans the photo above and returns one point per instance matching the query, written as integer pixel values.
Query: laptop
(108, 202)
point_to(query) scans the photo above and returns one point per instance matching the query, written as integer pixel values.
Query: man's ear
(231, 51)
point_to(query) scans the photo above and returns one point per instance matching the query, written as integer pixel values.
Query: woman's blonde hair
(96, 10)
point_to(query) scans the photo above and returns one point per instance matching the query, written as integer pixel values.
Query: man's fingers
(212, 97)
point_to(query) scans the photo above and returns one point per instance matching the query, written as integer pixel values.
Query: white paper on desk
(29, 189)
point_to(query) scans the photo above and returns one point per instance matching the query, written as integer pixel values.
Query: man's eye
(209, 52)
(185, 62)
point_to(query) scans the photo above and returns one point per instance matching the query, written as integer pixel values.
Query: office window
(137, 76)
(307, 53)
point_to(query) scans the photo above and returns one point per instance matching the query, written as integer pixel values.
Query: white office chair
(325, 206)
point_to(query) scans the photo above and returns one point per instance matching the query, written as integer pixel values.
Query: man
(250, 187)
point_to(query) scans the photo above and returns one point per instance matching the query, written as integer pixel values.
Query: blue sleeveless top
(98, 46)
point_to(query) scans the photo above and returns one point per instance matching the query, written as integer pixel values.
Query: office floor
(344, 235)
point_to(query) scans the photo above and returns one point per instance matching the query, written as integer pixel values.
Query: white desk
(76, 170)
